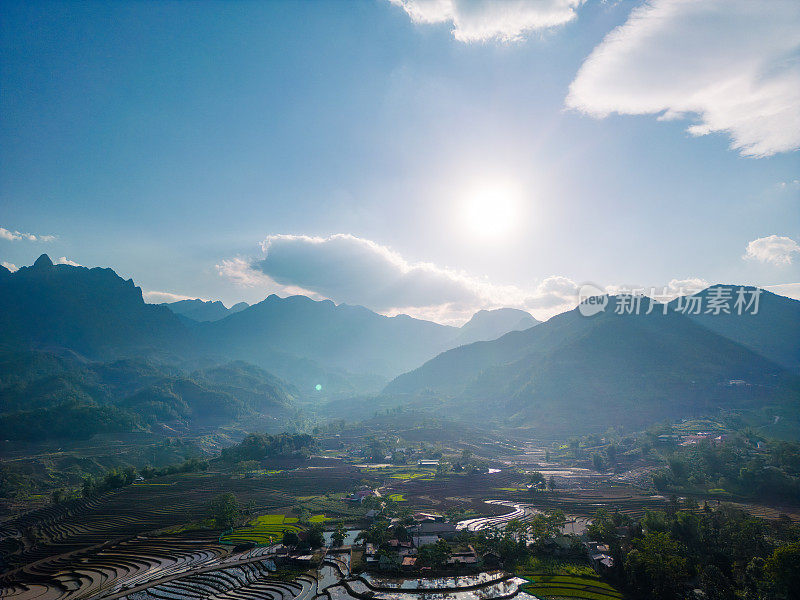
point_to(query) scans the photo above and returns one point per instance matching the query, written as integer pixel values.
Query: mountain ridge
(609, 368)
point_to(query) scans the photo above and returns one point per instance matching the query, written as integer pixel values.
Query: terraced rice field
(518, 512)
(265, 529)
(251, 581)
(569, 586)
(95, 543)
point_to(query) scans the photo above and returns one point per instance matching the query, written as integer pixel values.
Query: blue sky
(230, 150)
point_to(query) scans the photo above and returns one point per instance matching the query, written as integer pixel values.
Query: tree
(597, 462)
(656, 566)
(376, 534)
(755, 579)
(782, 570)
(536, 479)
(715, 585)
(225, 510)
(339, 535)
(546, 525)
(315, 537)
(611, 453)
(551, 483)
(434, 555)
(603, 527)
(401, 533)
(290, 538)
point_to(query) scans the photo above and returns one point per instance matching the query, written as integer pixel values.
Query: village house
(468, 558)
(358, 497)
(599, 556)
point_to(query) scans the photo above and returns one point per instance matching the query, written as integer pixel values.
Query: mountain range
(93, 312)
(344, 349)
(54, 395)
(344, 339)
(609, 369)
(204, 310)
(612, 369)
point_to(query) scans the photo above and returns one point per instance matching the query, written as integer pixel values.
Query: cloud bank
(63, 260)
(790, 290)
(733, 66)
(13, 236)
(491, 20)
(157, 297)
(353, 270)
(774, 249)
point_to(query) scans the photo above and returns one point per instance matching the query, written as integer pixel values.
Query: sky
(421, 157)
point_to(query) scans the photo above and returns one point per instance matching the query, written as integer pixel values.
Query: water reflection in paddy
(492, 585)
(435, 582)
(349, 538)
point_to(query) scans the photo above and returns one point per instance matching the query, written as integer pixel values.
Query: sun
(491, 211)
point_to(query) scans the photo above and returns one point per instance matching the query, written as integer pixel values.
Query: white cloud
(730, 64)
(353, 270)
(9, 235)
(790, 290)
(686, 287)
(156, 297)
(13, 236)
(491, 20)
(10, 266)
(775, 249)
(65, 261)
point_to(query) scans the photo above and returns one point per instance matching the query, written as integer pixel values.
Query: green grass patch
(571, 586)
(554, 567)
(149, 484)
(268, 520)
(549, 592)
(416, 475)
(397, 497)
(264, 529)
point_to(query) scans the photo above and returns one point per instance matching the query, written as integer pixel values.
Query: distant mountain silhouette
(202, 310)
(772, 331)
(345, 349)
(601, 371)
(491, 324)
(348, 338)
(343, 338)
(91, 311)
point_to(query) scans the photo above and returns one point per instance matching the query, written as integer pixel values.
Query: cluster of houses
(428, 529)
(693, 438)
(599, 556)
(359, 496)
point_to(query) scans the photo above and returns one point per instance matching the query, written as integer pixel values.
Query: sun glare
(491, 211)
